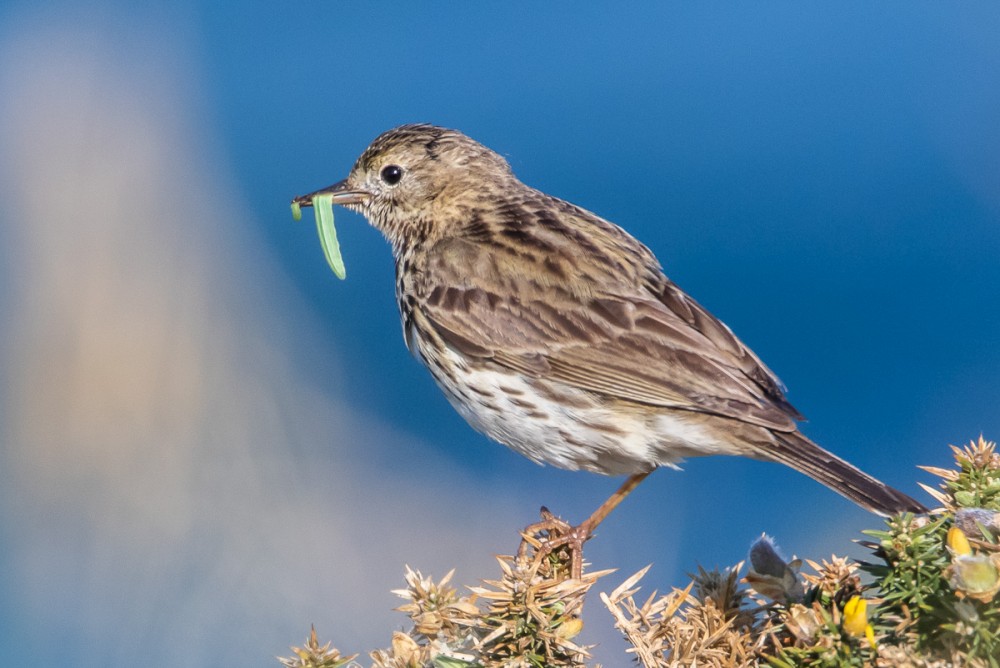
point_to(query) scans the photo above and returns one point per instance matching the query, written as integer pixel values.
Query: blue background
(824, 177)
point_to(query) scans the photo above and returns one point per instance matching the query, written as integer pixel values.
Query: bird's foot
(554, 543)
(563, 543)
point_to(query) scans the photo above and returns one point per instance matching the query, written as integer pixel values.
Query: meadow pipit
(556, 333)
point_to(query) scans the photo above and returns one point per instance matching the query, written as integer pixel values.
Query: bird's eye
(391, 174)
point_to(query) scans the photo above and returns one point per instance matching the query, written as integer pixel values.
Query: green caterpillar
(323, 208)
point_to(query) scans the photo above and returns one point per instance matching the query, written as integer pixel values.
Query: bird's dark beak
(341, 195)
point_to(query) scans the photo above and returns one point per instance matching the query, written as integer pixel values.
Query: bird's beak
(341, 195)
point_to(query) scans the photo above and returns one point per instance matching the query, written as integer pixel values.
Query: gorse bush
(926, 597)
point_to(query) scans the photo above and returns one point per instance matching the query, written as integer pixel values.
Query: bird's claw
(558, 535)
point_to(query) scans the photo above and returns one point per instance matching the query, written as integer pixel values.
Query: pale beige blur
(167, 477)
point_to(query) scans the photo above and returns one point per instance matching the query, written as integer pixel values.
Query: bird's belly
(567, 427)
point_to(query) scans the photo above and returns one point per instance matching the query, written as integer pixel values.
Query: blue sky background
(209, 442)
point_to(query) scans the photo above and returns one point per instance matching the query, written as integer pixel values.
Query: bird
(557, 333)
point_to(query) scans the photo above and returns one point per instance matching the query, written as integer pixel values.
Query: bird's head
(414, 181)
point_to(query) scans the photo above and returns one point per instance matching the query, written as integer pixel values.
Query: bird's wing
(648, 343)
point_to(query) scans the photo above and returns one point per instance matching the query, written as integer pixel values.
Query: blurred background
(208, 443)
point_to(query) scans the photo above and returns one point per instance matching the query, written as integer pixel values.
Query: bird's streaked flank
(556, 333)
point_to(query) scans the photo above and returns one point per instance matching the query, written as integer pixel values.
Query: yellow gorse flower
(958, 543)
(856, 619)
(855, 616)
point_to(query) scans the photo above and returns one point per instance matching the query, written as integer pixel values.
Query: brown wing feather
(641, 339)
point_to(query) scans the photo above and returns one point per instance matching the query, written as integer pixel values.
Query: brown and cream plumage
(556, 333)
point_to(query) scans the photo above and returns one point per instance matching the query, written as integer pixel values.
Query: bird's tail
(798, 452)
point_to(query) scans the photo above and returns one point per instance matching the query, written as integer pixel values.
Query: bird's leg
(560, 534)
(605, 508)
